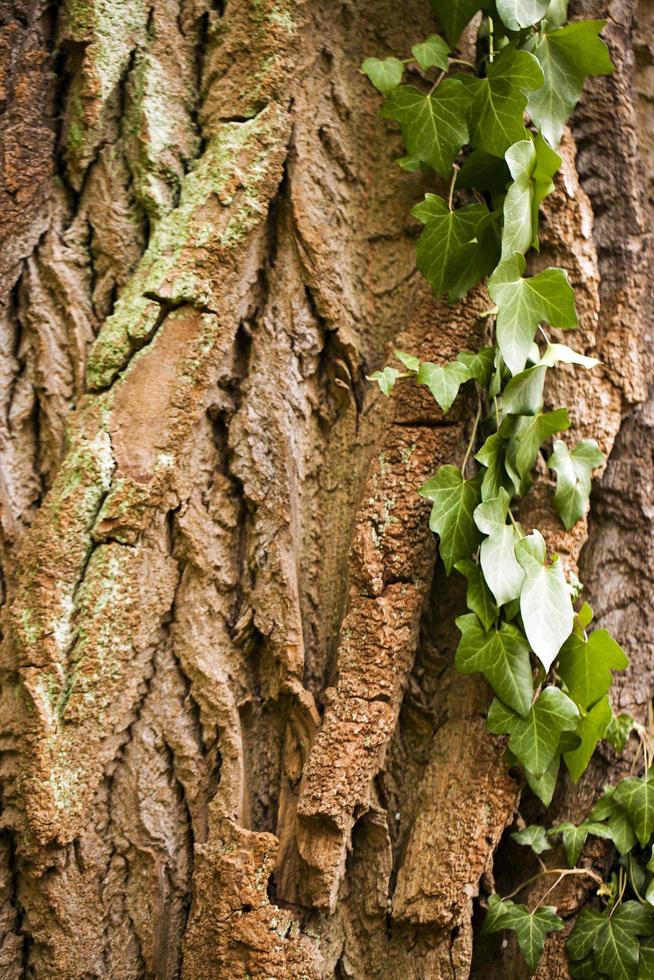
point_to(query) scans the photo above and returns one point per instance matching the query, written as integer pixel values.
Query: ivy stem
(515, 524)
(462, 61)
(472, 441)
(491, 52)
(455, 170)
(622, 884)
(562, 872)
(633, 883)
(436, 83)
(550, 889)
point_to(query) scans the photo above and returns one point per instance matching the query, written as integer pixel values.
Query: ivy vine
(491, 131)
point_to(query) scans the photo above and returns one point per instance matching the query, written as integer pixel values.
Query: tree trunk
(233, 740)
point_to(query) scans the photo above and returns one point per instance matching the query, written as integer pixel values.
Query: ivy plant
(489, 133)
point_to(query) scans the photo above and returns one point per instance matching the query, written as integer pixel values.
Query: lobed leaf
(454, 500)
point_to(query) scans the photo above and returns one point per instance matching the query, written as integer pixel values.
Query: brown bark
(233, 740)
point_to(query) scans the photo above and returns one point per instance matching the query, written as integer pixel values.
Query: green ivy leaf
(531, 928)
(499, 102)
(519, 228)
(501, 655)
(502, 571)
(585, 666)
(491, 455)
(545, 604)
(534, 739)
(483, 172)
(454, 15)
(547, 165)
(543, 786)
(573, 474)
(561, 354)
(476, 259)
(385, 379)
(646, 961)
(454, 500)
(566, 56)
(523, 394)
(478, 595)
(433, 125)
(534, 837)
(619, 730)
(574, 838)
(384, 74)
(479, 364)
(444, 235)
(637, 798)
(612, 938)
(608, 809)
(516, 14)
(411, 164)
(524, 303)
(432, 53)
(443, 381)
(532, 165)
(592, 729)
(410, 361)
(525, 435)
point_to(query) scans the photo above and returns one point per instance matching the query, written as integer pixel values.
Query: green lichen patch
(228, 190)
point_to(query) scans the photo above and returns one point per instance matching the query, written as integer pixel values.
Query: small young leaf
(608, 809)
(534, 739)
(573, 471)
(443, 381)
(545, 604)
(433, 125)
(454, 500)
(574, 838)
(432, 53)
(560, 353)
(385, 379)
(384, 74)
(410, 361)
(533, 837)
(478, 596)
(585, 666)
(501, 655)
(619, 730)
(524, 303)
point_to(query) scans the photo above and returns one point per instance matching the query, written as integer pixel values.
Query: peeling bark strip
(233, 740)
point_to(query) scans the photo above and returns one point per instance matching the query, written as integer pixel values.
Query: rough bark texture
(233, 740)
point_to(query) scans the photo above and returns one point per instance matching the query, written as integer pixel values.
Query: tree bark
(233, 740)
